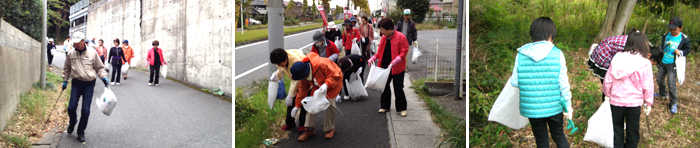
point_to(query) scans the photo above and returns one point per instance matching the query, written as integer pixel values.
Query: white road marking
(251, 70)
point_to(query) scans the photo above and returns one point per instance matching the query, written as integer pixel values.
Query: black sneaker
(81, 138)
(70, 129)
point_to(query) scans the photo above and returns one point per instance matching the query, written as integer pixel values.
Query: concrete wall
(195, 35)
(20, 66)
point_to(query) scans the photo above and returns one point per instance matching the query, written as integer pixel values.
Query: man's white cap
(383, 14)
(406, 11)
(77, 37)
(331, 25)
(354, 12)
(50, 39)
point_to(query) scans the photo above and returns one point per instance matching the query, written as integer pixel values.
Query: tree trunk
(607, 26)
(624, 12)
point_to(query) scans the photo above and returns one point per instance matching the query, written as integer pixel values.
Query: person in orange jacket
(128, 54)
(316, 73)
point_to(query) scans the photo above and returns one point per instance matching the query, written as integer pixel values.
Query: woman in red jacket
(392, 50)
(155, 61)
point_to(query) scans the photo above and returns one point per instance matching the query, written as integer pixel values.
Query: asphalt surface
(169, 115)
(250, 56)
(359, 125)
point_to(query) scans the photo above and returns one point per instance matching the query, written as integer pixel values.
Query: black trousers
(400, 102)
(347, 74)
(155, 69)
(302, 114)
(602, 83)
(116, 72)
(556, 128)
(629, 115)
(50, 58)
(365, 48)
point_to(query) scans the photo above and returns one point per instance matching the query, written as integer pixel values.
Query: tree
(237, 12)
(418, 8)
(23, 15)
(313, 8)
(58, 13)
(616, 18)
(304, 7)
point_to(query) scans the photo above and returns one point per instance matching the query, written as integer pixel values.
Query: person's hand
(371, 60)
(397, 60)
(647, 109)
(570, 114)
(359, 70)
(323, 88)
(104, 80)
(363, 40)
(274, 77)
(295, 112)
(678, 52)
(65, 84)
(289, 101)
(415, 43)
(338, 99)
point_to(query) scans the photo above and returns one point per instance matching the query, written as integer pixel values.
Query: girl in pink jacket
(629, 84)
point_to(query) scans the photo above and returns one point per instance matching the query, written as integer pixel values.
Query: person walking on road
(324, 48)
(67, 46)
(49, 54)
(367, 32)
(391, 53)
(116, 58)
(333, 33)
(351, 33)
(102, 50)
(349, 64)
(317, 74)
(284, 59)
(408, 28)
(155, 60)
(83, 66)
(128, 54)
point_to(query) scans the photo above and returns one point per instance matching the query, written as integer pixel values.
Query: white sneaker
(156, 84)
(111, 83)
(404, 113)
(346, 97)
(382, 110)
(149, 84)
(117, 83)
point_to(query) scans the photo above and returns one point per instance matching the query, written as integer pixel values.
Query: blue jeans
(669, 70)
(84, 89)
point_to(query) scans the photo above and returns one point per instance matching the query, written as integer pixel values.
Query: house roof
(258, 3)
(435, 2)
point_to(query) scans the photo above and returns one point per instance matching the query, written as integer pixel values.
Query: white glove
(289, 101)
(359, 70)
(295, 112)
(647, 110)
(570, 114)
(363, 40)
(323, 88)
(274, 77)
(338, 99)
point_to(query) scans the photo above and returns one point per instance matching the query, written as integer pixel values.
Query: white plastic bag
(355, 88)
(272, 93)
(600, 126)
(164, 71)
(506, 109)
(125, 69)
(377, 78)
(106, 102)
(416, 54)
(355, 49)
(317, 103)
(590, 51)
(680, 69)
(339, 44)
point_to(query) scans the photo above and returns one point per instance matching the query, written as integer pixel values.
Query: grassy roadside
(453, 127)
(262, 33)
(255, 121)
(25, 125)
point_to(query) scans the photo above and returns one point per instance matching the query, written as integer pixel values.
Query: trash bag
(125, 68)
(281, 91)
(106, 102)
(355, 49)
(506, 109)
(164, 71)
(416, 54)
(317, 103)
(680, 69)
(339, 44)
(377, 78)
(600, 126)
(590, 51)
(272, 93)
(355, 88)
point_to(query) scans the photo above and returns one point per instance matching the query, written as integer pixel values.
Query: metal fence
(79, 6)
(441, 63)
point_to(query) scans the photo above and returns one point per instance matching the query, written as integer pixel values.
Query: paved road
(170, 115)
(253, 60)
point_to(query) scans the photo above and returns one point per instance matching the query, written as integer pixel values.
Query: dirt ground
(660, 129)
(458, 107)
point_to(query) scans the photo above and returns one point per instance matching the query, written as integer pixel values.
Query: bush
(244, 107)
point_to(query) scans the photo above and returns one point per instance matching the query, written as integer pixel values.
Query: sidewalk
(415, 130)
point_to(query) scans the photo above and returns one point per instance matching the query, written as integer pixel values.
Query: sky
(372, 3)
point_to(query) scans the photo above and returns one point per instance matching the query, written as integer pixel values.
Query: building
(436, 5)
(78, 17)
(449, 6)
(258, 7)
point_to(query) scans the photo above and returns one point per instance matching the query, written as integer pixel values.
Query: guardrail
(79, 6)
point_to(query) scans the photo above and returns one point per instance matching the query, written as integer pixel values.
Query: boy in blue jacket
(540, 73)
(675, 43)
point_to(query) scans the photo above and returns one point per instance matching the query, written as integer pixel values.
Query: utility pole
(458, 55)
(43, 45)
(275, 34)
(242, 17)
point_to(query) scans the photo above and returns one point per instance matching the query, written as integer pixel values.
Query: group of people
(84, 64)
(623, 64)
(324, 71)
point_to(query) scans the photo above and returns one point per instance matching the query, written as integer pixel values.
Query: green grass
(17, 141)
(255, 121)
(453, 127)
(262, 33)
